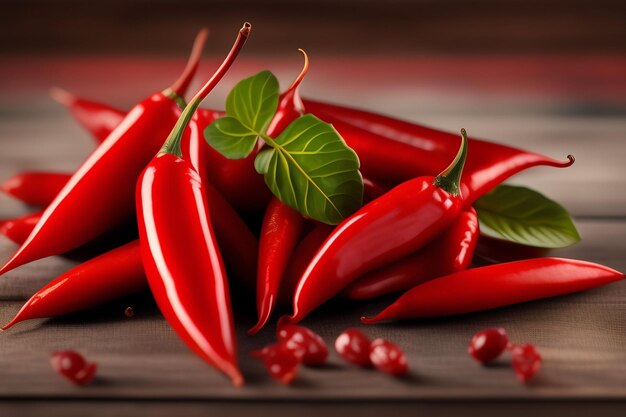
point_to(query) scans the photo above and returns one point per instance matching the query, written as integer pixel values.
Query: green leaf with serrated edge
(262, 161)
(254, 100)
(312, 170)
(524, 216)
(230, 138)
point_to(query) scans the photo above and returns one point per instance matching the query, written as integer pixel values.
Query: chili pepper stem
(180, 86)
(449, 180)
(172, 144)
(62, 96)
(305, 69)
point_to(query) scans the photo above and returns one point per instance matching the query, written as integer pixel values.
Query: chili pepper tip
(245, 29)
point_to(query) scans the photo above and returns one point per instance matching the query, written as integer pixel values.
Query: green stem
(269, 140)
(172, 143)
(449, 180)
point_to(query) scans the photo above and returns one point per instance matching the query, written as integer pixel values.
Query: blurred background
(546, 75)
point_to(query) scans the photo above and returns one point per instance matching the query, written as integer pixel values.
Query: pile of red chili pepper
(406, 223)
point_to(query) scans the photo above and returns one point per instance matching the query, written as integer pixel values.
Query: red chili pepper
(100, 194)
(20, 228)
(280, 232)
(411, 150)
(235, 239)
(282, 226)
(112, 275)
(372, 190)
(496, 286)
(35, 188)
(300, 259)
(451, 252)
(389, 228)
(180, 255)
(97, 118)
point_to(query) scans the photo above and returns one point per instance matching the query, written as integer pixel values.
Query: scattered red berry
(73, 366)
(313, 347)
(526, 361)
(354, 346)
(487, 345)
(280, 361)
(388, 358)
(129, 312)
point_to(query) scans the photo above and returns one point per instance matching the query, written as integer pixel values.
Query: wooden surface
(549, 106)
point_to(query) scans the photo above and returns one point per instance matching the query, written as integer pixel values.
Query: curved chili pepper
(233, 235)
(19, 228)
(400, 222)
(282, 226)
(280, 232)
(100, 194)
(97, 118)
(425, 150)
(112, 275)
(491, 250)
(181, 257)
(496, 286)
(451, 252)
(300, 259)
(35, 188)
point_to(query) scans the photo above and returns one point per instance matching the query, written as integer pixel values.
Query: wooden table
(551, 105)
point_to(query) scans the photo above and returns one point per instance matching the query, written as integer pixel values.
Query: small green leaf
(262, 161)
(521, 215)
(254, 100)
(311, 169)
(230, 138)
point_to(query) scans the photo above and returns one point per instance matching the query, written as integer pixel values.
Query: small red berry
(354, 346)
(388, 358)
(487, 345)
(310, 343)
(280, 361)
(129, 312)
(526, 361)
(73, 366)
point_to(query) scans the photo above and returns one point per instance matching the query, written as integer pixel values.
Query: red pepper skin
(402, 221)
(20, 228)
(412, 150)
(236, 241)
(183, 262)
(372, 190)
(112, 275)
(451, 252)
(496, 286)
(35, 188)
(100, 194)
(281, 230)
(300, 259)
(97, 118)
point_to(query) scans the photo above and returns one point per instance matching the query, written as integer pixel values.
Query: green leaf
(230, 138)
(262, 161)
(254, 100)
(521, 215)
(311, 169)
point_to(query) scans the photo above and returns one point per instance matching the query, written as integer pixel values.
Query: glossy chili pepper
(35, 188)
(109, 276)
(496, 286)
(389, 228)
(20, 228)
(451, 252)
(97, 118)
(411, 150)
(282, 226)
(180, 254)
(100, 194)
(280, 233)
(235, 239)
(300, 259)
(119, 272)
